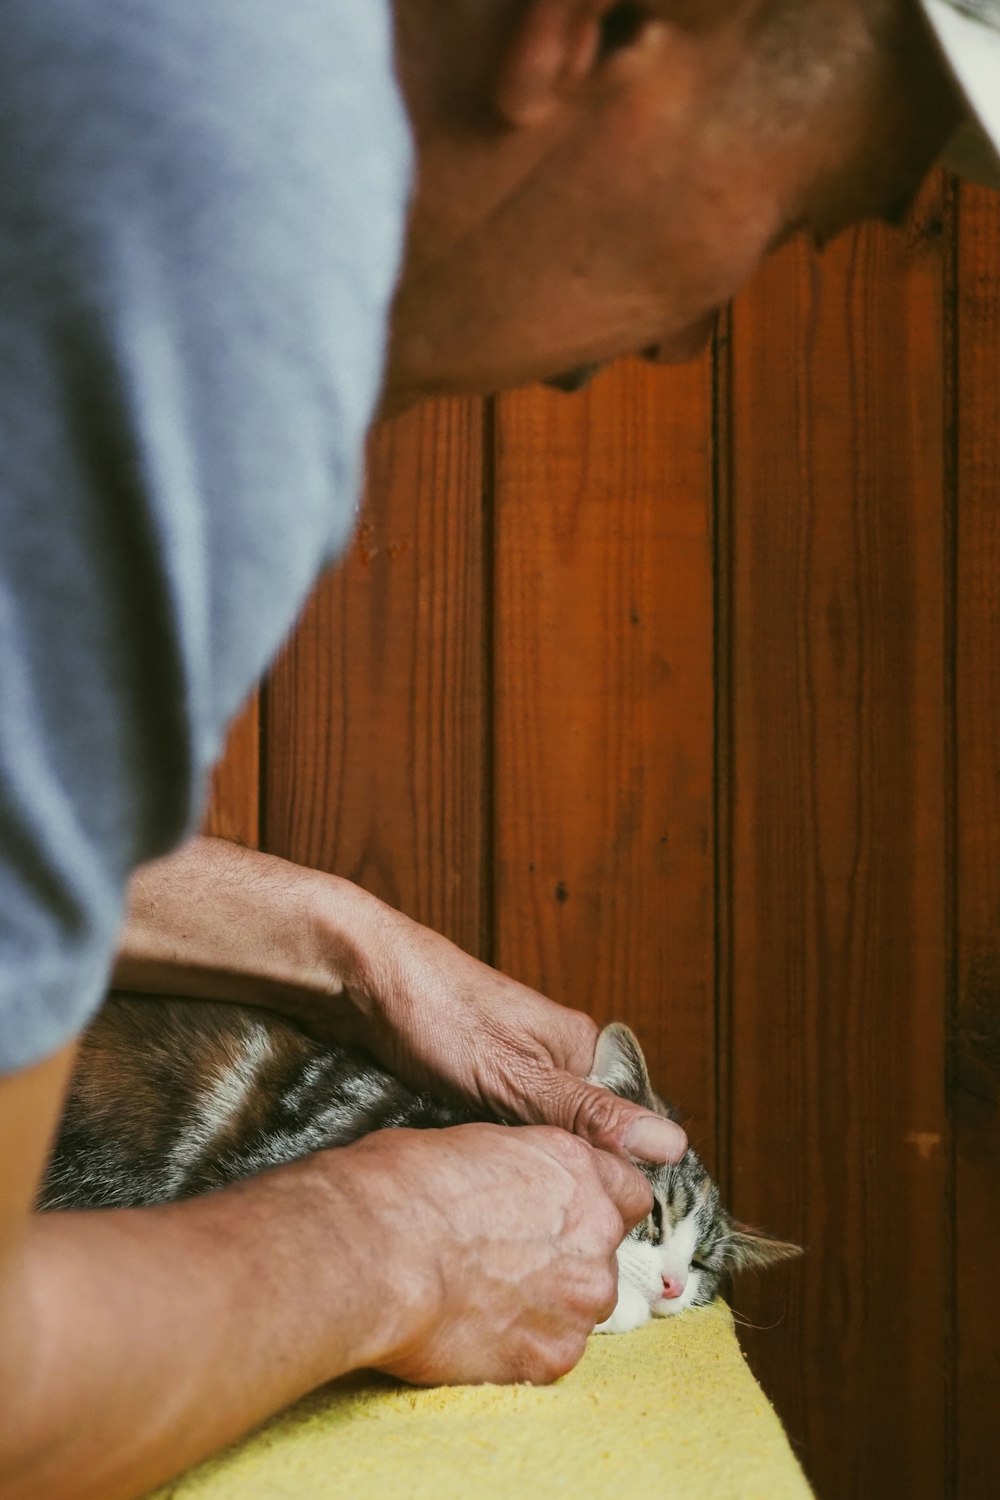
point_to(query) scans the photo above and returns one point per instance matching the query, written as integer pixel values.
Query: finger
(578, 1034)
(602, 1310)
(608, 1122)
(627, 1188)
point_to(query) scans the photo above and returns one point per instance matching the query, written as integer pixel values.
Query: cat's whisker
(744, 1322)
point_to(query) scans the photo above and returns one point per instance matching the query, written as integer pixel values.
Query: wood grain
(375, 714)
(838, 929)
(697, 771)
(976, 1075)
(603, 667)
(234, 804)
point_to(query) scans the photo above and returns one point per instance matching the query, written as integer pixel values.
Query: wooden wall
(680, 700)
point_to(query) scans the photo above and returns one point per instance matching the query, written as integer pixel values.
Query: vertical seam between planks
(951, 522)
(721, 534)
(489, 936)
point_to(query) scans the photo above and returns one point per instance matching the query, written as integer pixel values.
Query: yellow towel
(671, 1411)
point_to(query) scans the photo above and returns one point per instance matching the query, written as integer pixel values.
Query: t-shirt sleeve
(201, 216)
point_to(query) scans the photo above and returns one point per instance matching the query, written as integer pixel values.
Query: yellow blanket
(671, 1411)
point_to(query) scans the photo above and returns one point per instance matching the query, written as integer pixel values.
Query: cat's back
(172, 1097)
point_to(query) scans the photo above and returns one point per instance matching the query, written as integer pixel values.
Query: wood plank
(839, 935)
(375, 714)
(976, 1077)
(234, 800)
(604, 793)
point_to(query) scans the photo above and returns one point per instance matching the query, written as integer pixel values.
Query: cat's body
(172, 1098)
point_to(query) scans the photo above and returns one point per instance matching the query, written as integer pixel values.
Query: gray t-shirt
(201, 217)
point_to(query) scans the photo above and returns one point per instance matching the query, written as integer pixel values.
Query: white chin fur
(632, 1311)
(641, 1268)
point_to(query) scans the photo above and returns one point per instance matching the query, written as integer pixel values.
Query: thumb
(609, 1122)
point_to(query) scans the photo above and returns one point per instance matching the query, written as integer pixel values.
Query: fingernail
(654, 1139)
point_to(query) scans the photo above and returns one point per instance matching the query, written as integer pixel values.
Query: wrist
(392, 1283)
(353, 936)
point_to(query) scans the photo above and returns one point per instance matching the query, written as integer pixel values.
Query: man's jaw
(574, 380)
(678, 349)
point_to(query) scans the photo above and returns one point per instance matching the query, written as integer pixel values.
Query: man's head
(596, 178)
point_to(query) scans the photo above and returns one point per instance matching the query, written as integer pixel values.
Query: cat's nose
(673, 1287)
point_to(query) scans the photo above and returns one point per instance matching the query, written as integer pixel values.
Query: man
(201, 224)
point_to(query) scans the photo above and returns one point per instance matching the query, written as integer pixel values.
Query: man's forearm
(139, 1341)
(221, 922)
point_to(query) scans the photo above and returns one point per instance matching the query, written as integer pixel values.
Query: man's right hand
(484, 1253)
(506, 1242)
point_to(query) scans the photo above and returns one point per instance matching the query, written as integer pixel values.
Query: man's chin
(686, 345)
(573, 380)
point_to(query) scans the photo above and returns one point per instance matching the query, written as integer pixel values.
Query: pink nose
(673, 1287)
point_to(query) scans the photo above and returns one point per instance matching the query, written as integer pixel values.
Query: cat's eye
(699, 1265)
(657, 1216)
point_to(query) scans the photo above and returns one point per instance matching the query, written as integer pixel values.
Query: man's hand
(475, 1254)
(220, 922)
(513, 1237)
(435, 1015)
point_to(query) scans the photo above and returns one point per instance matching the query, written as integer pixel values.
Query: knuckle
(557, 1341)
(609, 1226)
(636, 1193)
(597, 1114)
(629, 1189)
(581, 1034)
(639, 1209)
(609, 1298)
(537, 1370)
(567, 1355)
(596, 1291)
(544, 1364)
(570, 1149)
(533, 1363)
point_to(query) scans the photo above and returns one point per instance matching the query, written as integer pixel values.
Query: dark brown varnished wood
(838, 925)
(374, 715)
(976, 1071)
(604, 737)
(234, 804)
(733, 777)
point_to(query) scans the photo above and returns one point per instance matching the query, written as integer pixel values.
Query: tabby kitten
(680, 1255)
(172, 1098)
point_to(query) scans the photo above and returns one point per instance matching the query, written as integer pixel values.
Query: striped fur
(172, 1098)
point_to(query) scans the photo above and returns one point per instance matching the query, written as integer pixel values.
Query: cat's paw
(631, 1312)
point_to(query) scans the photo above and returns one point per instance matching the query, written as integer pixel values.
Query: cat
(172, 1098)
(681, 1254)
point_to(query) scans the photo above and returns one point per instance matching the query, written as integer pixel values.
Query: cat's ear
(620, 1066)
(747, 1247)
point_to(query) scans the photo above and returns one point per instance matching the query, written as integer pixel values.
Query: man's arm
(221, 922)
(135, 1342)
(216, 921)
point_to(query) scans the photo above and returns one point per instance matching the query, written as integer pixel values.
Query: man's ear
(556, 45)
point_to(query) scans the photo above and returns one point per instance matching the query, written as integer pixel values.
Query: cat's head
(678, 1256)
